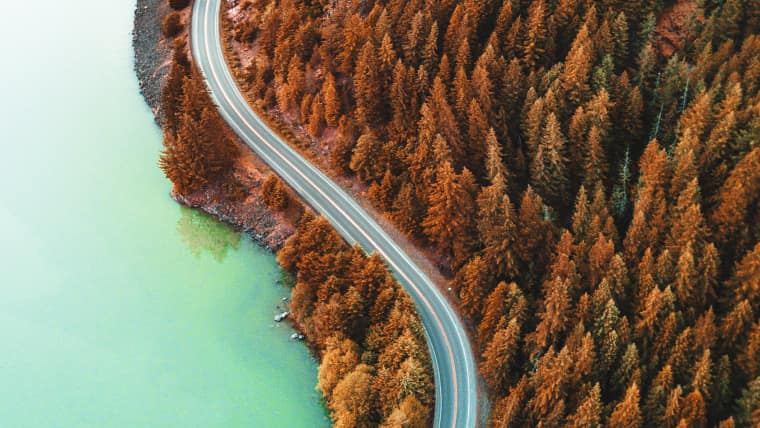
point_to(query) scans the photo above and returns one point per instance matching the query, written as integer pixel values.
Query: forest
(587, 173)
(375, 369)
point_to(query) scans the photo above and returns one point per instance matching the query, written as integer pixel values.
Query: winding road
(453, 363)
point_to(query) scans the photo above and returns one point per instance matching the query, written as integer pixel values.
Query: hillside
(587, 173)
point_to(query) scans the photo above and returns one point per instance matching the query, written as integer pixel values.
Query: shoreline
(151, 57)
(152, 62)
(271, 228)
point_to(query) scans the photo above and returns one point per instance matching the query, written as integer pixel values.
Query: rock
(151, 56)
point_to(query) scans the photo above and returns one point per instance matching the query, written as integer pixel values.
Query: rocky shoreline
(152, 55)
(251, 215)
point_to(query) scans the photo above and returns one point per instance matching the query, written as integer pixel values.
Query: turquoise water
(119, 308)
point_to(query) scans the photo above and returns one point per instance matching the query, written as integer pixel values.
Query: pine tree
(748, 412)
(481, 81)
(463, 57)
(505, 302)
(369, 99)
(533, 121)
(589, 411)
(749, 359)
(649, 210)
(627, 413)
(430, 49)
(510, 411)
(693, 412)
(555, 319)
(444, 120)
(478, 132)
(659, 391)
(462, 94)
(582, 217)
(503, 23)
(496, 171)
(531, 229)
(410, 413)
(702, 377)
(367, 158)
(403, 102)
(414, 40)
(735, 324)
(534, 35)
(595, 165)
(577, 68)
(548, 169)
(497, 229)
(171, 94)
(449, 217)
(339, 359)
(738, 203)
(499, 356)
(745, 282)
(513, 90)
(331, 100)
(351, 400)
(180, 167)
(407, 213)
(316, 117)
(686, 285)
(383, 194)
(550, 382)
(274, 193)
(620, 31)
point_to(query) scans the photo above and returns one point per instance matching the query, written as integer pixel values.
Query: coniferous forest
(374, 368)
(587, 172)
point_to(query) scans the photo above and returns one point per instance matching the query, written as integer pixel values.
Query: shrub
(178, 4)
(172, 25)
(275, 194)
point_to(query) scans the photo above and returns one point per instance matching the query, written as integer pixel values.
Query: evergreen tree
(497, 230)
(534, 35)
(367, 158)
(369, 98)
(499, 356)
(627, 413)
(589, 411)
(577, 67)
(745, 283)
(331, 100)
(548, 170)
(449, 218)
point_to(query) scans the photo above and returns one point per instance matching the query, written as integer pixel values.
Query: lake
(118, 307)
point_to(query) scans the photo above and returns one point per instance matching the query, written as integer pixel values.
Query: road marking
(369, 221)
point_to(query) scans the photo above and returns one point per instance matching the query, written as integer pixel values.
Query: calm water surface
(118, 308)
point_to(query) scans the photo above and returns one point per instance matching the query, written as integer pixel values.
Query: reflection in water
(202, 233)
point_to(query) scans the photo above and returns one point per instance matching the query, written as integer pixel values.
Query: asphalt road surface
(453, 363)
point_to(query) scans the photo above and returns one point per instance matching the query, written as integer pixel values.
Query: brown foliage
(474, 124)
(275, 194)
(172, 25)
(199, 148)
(349, 306)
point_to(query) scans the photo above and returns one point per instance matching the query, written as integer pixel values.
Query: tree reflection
(202, 233)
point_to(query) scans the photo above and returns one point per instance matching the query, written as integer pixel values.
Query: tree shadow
(204, 234)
